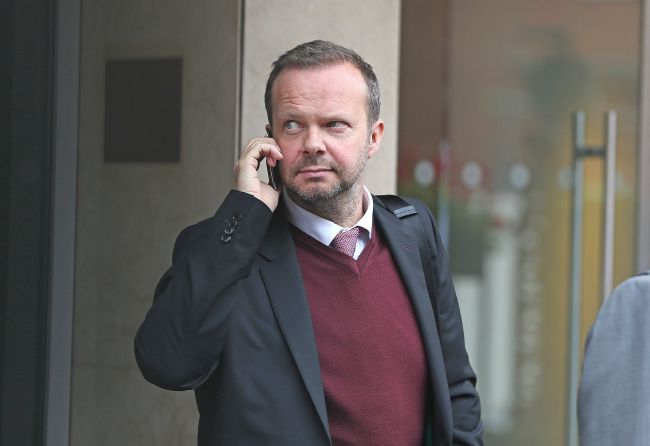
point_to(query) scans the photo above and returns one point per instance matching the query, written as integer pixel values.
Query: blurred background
(121, 122)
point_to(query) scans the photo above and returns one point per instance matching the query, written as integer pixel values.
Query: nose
(314, 143)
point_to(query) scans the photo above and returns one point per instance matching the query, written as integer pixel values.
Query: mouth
(314, 173)
(314, 169)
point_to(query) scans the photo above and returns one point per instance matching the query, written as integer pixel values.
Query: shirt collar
(320, 228)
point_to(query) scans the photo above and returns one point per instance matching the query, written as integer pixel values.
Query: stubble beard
(337, 202)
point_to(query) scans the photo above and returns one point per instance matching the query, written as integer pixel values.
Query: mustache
(312, 161)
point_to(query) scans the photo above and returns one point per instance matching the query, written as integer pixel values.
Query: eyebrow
(291, 116)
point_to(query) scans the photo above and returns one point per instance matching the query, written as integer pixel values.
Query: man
(614, 394)
(302, 317)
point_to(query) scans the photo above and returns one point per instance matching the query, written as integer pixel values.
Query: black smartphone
(274, 175)
(273, 172)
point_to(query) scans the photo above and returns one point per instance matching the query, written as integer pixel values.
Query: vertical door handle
(580, 152)
(609, 194)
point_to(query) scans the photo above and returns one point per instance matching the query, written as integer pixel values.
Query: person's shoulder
(632, 296)
(420, 207)
(639, 284)
(416, 203)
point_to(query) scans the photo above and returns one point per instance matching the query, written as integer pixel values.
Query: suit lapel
(404, 248)
(284, 284)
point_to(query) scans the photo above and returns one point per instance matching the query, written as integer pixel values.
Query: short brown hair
(320, 53)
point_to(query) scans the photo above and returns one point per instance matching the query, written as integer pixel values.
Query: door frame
(63, 222)
(642, 235)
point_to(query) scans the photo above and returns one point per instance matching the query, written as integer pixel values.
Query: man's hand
(246, 177)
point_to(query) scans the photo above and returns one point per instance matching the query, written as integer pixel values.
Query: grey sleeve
(614, 393)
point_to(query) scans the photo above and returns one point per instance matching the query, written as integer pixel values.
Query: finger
(257, 150)
(271, 161)
(270, 154)
(255, 143)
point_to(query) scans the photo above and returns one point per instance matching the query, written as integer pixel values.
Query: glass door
(487, 92)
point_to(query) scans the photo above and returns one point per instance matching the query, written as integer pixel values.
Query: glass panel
(499, 86)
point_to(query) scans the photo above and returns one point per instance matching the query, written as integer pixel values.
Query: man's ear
(376, 133)
(269, 131)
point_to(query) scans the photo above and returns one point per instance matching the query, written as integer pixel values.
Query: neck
(345, 209)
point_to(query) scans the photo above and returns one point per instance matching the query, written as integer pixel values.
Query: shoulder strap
(409, 215)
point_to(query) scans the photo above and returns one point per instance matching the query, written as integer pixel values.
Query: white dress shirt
(325, 230)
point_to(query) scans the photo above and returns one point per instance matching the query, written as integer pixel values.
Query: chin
(314, 186)
(314, 193)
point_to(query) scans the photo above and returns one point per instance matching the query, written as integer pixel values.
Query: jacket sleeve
(178, 345)
(613, 397)
(465, 403)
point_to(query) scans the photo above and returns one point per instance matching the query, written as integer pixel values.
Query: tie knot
(346, 241)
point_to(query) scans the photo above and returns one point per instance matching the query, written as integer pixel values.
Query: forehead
(340, 83)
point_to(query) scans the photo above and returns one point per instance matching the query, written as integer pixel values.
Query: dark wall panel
(143, 110)
(26, 108)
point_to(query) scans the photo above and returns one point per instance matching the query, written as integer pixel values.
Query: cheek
(288, 160)
(350, 153)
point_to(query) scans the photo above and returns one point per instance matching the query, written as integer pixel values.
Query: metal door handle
(580, 152)
(609, 205)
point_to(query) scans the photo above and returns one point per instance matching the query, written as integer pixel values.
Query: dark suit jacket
(231, 320)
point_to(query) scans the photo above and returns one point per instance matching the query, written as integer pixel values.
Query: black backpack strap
(409, 215)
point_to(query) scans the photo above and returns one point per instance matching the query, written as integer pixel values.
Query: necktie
(346, 241)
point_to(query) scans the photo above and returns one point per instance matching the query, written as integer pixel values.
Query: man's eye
(336, 124)
(291, 125)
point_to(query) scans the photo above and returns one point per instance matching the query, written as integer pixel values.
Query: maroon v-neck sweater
(372, 360)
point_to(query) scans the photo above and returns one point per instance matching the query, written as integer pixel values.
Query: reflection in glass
(490, 107)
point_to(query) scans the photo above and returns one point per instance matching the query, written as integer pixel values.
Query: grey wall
(129, 214)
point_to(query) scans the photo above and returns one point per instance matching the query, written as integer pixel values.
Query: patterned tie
(346, 241)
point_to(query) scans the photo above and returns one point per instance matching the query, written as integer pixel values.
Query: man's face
(320, 123)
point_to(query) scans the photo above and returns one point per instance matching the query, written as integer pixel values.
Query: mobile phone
(273, 172)
(274, 176)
